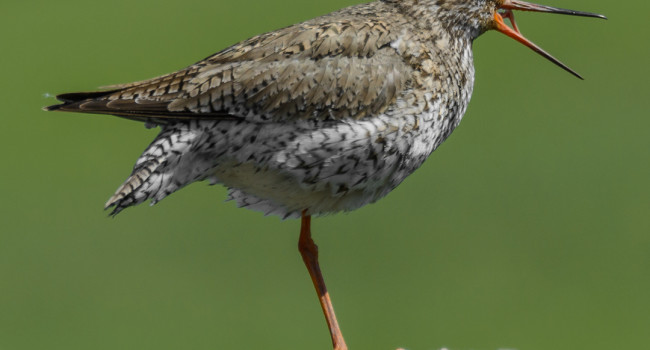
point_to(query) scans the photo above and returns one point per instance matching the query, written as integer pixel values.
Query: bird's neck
(436, 15)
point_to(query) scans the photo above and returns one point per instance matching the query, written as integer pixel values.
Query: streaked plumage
(320, 117)
(327, 115)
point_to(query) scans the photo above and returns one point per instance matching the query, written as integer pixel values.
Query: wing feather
(317, 69)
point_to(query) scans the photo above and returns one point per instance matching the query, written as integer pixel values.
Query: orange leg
(309, 252)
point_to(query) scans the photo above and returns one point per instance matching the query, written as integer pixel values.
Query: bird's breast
(335, 165)
(328, 166)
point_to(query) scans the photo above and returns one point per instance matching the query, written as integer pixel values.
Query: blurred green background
(528, 229)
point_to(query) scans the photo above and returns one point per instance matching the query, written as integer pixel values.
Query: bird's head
(478, 16)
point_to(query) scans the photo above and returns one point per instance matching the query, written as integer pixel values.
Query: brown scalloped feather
(317, 69)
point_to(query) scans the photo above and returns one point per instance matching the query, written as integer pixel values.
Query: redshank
(320, 117)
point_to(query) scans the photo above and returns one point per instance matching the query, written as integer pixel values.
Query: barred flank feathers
(165, 166)
(126, 195)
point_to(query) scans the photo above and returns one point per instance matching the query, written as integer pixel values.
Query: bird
(320, 117)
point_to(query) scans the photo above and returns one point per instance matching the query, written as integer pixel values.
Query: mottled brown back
(335, 66)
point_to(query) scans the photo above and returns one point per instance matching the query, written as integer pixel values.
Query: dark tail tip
(74, 97)
(52, 107)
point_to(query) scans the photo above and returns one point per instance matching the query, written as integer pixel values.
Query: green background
(528, 229)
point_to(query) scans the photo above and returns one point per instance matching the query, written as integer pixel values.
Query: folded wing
(303, 71)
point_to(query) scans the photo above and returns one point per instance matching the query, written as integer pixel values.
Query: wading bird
(320, 117)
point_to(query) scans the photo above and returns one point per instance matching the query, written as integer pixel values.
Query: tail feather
(72, 100)
(127, 104)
